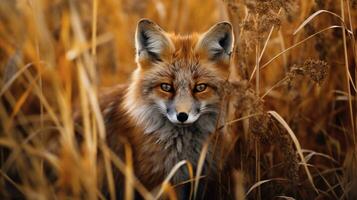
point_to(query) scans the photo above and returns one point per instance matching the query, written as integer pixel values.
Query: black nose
(182, 117)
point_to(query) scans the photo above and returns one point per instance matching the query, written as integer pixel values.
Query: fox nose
(182, 117)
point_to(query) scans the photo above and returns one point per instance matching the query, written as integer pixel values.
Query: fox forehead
(180, 72)
(184, 46)
(183, 61)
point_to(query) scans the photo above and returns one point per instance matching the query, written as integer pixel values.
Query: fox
(172, 107)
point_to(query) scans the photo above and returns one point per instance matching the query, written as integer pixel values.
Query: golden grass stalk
(239, 185)
(285, 197)
(297, 145)
(119, 164)
(348, 75)
(166, 182)
(199, 169)
(259, 183)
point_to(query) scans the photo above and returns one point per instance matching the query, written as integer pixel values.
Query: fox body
(173, 103)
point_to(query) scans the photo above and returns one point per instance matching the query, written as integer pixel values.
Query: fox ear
(217, 42)
(151, 41)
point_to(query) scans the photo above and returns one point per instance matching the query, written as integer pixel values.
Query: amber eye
(200, 87)
(166, 87)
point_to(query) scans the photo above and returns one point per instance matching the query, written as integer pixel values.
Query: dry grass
(294, 93)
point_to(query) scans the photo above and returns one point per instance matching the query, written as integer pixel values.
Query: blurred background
(297, 57)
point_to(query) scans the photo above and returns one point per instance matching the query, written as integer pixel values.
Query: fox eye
(200, 87)
(166, 87)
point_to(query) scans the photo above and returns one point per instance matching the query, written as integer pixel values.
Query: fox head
(179, 79)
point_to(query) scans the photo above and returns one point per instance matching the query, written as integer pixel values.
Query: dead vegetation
(294, 93)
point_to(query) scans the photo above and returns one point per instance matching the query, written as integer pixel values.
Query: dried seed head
(246, 100)
(263, 7)
(317, 70)
(248, 25)
(269, 131)
(267, 22)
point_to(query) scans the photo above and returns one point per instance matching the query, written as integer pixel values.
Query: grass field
(295, 78)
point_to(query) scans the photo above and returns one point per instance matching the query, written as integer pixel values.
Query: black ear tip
(226, 25)
(145, 22)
